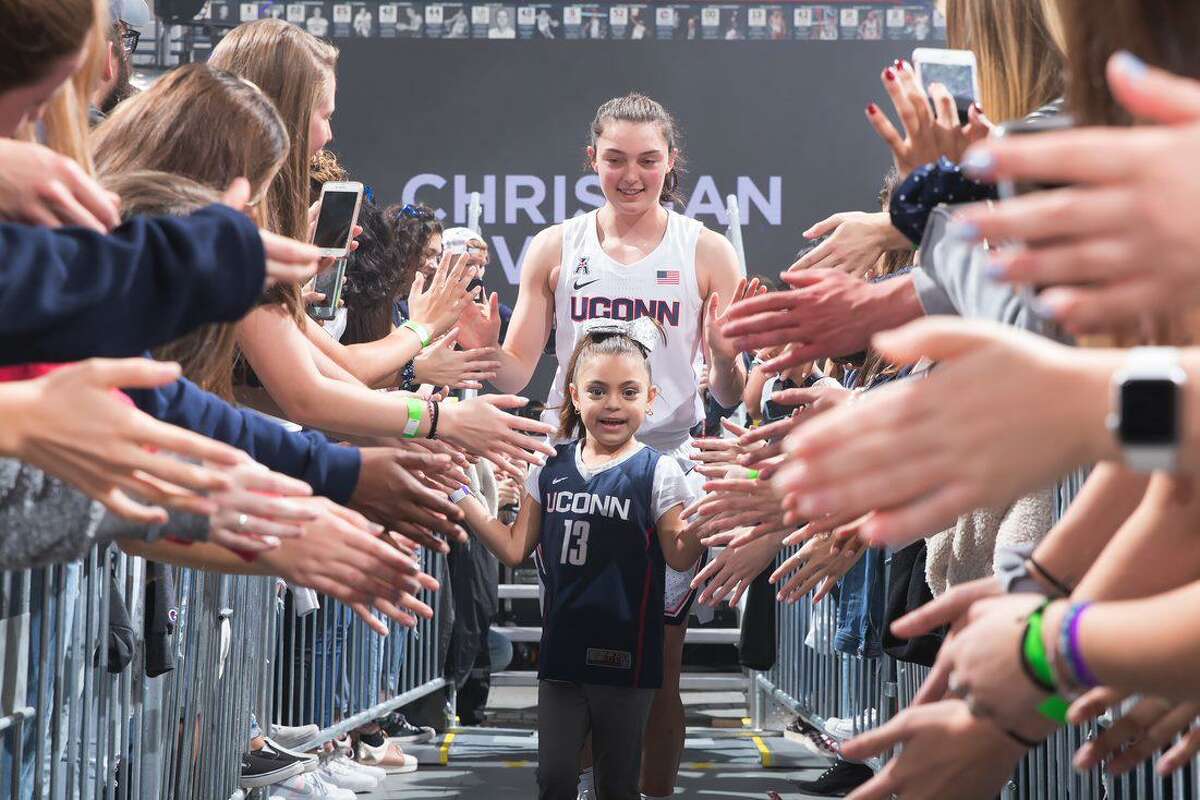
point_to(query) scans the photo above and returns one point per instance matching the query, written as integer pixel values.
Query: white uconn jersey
(663, 286)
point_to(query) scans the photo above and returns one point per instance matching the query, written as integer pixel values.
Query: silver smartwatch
(1148, 407)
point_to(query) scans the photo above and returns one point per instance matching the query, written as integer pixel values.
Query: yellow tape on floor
(444, 750)
(763, 750)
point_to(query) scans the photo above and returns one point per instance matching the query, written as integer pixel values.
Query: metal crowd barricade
(71, 729)
(812, 679)
(332, 670)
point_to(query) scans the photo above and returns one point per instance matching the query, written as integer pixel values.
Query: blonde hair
(1018, 45)
(62, 27)
(293, 68)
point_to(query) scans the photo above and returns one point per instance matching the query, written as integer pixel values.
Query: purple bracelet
(1074, 652)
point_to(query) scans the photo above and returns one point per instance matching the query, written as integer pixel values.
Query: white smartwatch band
(1148, 363)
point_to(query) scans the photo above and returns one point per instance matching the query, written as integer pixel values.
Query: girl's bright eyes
(628, 394)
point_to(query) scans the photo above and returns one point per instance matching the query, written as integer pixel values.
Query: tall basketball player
(633, 257)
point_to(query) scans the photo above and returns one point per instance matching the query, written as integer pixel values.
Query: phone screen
(957, 79)
(333, 224)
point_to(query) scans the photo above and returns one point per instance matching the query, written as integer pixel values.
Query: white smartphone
(954, 69)
(340, 203)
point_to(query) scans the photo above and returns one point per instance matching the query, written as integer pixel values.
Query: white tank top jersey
(662, 285)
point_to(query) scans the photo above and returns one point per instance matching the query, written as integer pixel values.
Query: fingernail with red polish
(872, 108)
(890, 74)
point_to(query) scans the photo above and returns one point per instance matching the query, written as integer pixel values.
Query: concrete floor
(722, 759)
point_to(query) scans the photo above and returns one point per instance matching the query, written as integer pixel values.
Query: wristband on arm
(423, 334)
(416, 413)
(1036, 663)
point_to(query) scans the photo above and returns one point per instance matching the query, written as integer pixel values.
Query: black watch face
(1148, 411)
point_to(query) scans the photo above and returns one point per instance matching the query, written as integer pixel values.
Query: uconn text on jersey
(587, 503)
(626, 309)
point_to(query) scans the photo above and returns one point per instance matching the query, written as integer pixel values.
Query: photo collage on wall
(899, 20)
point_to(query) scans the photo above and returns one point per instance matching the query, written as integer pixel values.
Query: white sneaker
(345, 776)
(378, 773)
(309, 786)
(328, 790)
(293, 737)
(297, 788)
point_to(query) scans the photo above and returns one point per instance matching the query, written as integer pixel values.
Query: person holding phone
(628, 259)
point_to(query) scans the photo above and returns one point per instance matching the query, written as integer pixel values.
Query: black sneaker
(264, 769)
(837, 781)
(399, 729)
(811, 738)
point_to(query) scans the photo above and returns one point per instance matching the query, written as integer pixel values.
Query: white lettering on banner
(530, 204)
(585, 503)
(511, 266)
(536, 201)
(462, 199)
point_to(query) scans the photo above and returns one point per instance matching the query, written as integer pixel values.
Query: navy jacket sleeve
(331, 470)
(71, 293)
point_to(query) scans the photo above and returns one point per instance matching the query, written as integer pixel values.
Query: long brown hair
(37, 33)
(639, 108)
(206, 354)
(595, 343)
(1163, 33)
(169, 128)
(1017, 44)
(293, 68)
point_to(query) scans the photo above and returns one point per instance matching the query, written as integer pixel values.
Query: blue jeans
(861, 607)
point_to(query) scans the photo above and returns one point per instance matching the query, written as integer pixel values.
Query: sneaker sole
(270, 778)
(420, 738)
(400, 770)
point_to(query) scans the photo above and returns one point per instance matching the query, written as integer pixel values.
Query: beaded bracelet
(408, 377)
(435, 413)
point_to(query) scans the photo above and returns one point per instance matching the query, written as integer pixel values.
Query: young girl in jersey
(603, 515)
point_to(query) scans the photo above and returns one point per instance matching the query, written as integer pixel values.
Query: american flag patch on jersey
(667, 277)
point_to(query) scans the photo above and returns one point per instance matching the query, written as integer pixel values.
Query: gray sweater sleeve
(45, 520)
(952, 280)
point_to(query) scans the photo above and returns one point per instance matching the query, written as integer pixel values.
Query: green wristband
(1036, 659)
(423, 334)
(416, 413)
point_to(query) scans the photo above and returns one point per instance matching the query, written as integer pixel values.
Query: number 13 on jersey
(575, 540)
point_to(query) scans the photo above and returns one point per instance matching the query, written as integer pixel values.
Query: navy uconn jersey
(602, 566)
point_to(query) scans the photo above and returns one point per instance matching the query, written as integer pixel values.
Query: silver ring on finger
(241, 521)
(954, 688)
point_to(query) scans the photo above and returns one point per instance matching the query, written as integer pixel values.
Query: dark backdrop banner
(781, 125)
